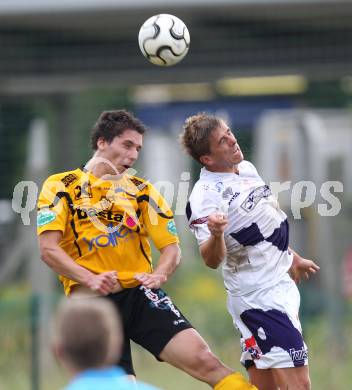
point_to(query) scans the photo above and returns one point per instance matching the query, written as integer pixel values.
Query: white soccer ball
(164, 39)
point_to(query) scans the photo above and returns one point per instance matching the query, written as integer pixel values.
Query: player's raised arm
(213, 250)
(159, 221)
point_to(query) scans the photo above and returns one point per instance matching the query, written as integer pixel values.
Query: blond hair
(196, 133)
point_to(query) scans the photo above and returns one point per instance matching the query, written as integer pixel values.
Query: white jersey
(257, 234)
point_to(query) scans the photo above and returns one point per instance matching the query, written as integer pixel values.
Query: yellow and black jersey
(106, 223)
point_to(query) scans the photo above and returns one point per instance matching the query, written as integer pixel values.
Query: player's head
(86, 334)
(118, 137)
(210, 141)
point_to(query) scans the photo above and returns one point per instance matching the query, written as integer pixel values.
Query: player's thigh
(293, 378)
(188, 351)
(184, 348)
(262, 379)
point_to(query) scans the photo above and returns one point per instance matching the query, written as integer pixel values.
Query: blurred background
(280, 72)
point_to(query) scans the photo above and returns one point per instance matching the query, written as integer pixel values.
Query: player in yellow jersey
(94, 226)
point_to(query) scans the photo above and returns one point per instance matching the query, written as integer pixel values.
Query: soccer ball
(164, 39)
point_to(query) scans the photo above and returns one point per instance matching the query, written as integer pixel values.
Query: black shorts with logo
(149, 318)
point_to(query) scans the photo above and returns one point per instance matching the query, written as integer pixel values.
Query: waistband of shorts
(79, 291)
(256, 288)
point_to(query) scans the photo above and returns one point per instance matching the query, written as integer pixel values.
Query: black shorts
(149, 318)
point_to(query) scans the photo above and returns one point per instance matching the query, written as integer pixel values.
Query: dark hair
(111, 124)
(196, 132)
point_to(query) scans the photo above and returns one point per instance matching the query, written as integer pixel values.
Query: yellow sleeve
(53, 206)
(158, 218)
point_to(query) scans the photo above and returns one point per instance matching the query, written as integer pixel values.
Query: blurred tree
(14, 123)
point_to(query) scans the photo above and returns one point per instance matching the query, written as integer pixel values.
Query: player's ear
(205, 160)
(101, 143)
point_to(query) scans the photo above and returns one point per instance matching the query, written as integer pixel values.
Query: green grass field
(330, 366)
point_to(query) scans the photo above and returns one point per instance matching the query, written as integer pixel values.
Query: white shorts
(269, 325)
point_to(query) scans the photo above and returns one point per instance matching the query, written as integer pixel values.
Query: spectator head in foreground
(86, 334)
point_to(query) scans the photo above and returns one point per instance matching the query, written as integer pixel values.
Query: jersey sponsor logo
(160, 300)
(69, 179)
(254, 197)
(299, 355)
(45, 216)
(105, 240)
(84, 213)
(103, 210)
(171, 227)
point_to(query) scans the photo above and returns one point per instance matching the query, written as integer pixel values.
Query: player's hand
(151, 280)
(102, 283)
(302, 268)
(217, 223)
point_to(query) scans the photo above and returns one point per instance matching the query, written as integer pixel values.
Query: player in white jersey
(237, 222)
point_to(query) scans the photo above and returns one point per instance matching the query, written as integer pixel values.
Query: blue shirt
(105, 379)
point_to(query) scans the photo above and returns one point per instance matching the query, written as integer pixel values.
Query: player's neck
(224, 169)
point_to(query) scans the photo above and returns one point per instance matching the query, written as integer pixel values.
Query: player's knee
(304, 383)
(207, 363)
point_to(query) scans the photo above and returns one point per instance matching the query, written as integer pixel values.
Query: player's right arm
(54, 208)
(57, 259)
(207, 216)
(213, 250)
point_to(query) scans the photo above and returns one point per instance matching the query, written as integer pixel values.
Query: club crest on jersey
(254, 197)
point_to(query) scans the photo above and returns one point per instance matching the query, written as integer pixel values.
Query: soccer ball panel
(164, 39)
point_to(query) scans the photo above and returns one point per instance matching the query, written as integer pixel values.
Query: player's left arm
(301, 267)
(161, 228)
(170, 257)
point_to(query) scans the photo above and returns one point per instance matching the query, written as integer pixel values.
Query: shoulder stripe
(146, 198)
(199, 221)
(58, 197)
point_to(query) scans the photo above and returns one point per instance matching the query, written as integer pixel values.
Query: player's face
(225, 153)
(124, 149)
